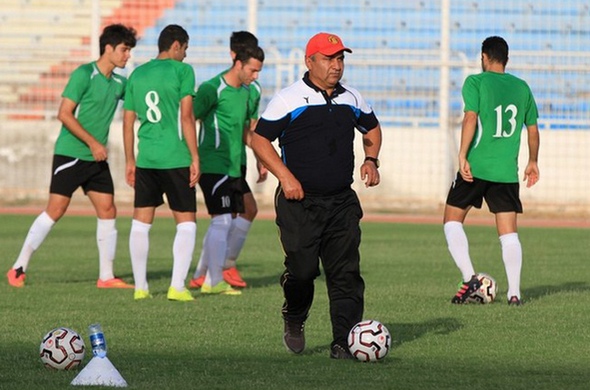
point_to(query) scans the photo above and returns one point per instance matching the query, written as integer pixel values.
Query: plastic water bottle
(97, 340)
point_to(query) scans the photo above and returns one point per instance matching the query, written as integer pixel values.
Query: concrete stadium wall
(418, 165)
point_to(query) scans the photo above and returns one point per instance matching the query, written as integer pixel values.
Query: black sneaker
(340, 352)
(294, 336)
(514, 301)
(467, 288)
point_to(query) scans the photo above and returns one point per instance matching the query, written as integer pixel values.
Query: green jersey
(253, 105)
(503, 103)
(154, 92)
(224, 112)
(96, 98)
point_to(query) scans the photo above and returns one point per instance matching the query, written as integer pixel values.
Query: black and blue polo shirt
(316, 133)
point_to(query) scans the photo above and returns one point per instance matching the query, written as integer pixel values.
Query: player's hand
(531, 174)
(195, 173)
(99, 151)
(370, 174)
(130, 174)
(465, 170)
(262, 172)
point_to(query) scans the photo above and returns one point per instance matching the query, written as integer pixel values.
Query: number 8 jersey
(503, 103)
(154, 92)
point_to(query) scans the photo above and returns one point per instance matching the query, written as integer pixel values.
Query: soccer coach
(317, 211)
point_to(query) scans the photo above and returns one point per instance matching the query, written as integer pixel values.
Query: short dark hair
(242, 39)
(246, 53)
(496, 49)
(116, 34)
(170, 34)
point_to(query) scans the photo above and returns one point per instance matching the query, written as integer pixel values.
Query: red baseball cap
(325, 43)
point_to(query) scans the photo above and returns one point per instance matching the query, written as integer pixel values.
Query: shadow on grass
(538, 292)
(406, 332)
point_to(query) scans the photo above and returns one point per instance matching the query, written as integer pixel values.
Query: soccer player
(497, 104)
(318, 213)
(240, 226)
(160, 95)
(87, 108)
(223, 105)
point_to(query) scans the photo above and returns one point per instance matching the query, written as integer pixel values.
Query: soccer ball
(369, 341)
(62, 349)
(487, 292)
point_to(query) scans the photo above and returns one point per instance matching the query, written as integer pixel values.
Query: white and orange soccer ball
(369, 341)
(62, 349)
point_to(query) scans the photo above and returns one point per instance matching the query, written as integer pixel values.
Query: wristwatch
(373, 160)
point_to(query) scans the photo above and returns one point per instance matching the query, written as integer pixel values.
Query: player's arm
(467, 133)
(129, 145)
(69, 120)
(267, 154)
(531, 172)
(248, 131)
(372, 146)
(189, 131)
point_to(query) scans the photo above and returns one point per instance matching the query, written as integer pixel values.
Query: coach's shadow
(538, 292)
(407, 332)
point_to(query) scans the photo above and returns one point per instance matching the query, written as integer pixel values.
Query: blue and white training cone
(99, 372)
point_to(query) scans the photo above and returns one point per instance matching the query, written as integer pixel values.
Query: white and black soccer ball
(62, 349)
(369, 341)
(487, 292)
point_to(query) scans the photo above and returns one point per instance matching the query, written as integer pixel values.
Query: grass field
(223, 342)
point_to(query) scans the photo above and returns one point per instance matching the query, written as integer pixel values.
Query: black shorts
(151, 184)
(223, 194)
(69, 173)
(245, 187)
(500, 197)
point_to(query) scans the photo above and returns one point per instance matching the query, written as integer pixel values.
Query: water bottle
(97, 341)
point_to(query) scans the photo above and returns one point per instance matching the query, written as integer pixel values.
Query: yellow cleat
(141, 294)
(220, 288)
(183, 296)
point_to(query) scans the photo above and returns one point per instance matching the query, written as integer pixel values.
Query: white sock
(139, 245)
(236, 239)
(203, 264)
(215, 244)
(512, 256)
(106, 239)
(459, 248)
(183, 248)
(35, 237)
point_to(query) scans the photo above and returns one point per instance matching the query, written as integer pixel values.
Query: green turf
(222, 342)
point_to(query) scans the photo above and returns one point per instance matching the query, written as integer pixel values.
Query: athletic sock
(106, 239)
(512, 257)
(183, 248)
(203, 261)
(459, 248)
(236, 239)
(215, 244)
(35, 237)
(139, 245)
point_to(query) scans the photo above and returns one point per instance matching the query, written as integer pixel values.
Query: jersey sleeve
(366, 118)
(254, 101)
(128, 103)
(274, 119)
(77, 84)
(470, 92)
(531, 114)
(205, 100)
(187, 81)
